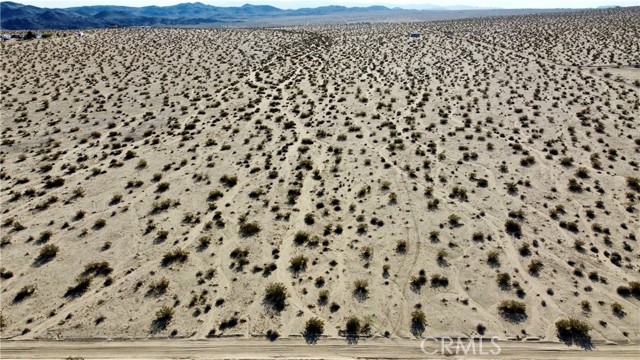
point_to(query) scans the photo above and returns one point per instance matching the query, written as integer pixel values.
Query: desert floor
(349, 180)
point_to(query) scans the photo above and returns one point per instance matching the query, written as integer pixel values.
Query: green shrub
(47, 253)
(301, 237)
(572, 330)
(503, 280)
(158, 287)
(175, 255)
(535, 266)
(633, 183)
(249, 229)
(313, 329)
(438, 280)
(361, 289)
(401, 246)
(98, 268)
(229, 181)
(81, 286)
(418, 322)
(513, 228)
(298, 263)
(353, 326)
(275, 296)
(513, 310)
(24, 293)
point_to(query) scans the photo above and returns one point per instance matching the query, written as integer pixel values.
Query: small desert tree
(313, 329)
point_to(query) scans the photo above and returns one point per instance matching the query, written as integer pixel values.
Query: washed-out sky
(294, 4)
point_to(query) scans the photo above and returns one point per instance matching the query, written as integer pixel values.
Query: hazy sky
(291, 4)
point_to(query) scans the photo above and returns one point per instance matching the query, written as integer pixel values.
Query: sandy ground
(478, 179)
(294, 349)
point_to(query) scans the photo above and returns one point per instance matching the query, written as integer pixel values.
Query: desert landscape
(323, 183)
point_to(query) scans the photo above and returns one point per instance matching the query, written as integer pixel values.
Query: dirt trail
(297, 349)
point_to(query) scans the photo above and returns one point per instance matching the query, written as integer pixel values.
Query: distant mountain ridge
(15, 16)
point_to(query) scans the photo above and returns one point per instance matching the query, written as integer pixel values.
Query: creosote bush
(513, 310)
(249, 229)
(572, 331)
(176, 255)
(275, 296)
(313, 329)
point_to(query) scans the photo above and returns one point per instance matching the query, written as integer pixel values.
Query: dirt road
(297, 349)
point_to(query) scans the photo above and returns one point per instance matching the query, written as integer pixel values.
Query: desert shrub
(513, 310)
(47, 253)
(215, 195)
(175, 255)
(229, 181)
(81, 286)
(572, 330)
(158, 287)
(438, 280)
(512, 227)
(24, 293)
(313, 329)
(98, 268)
(45, 236)
(301, 237)
(617, 309)
(493, 257)
(401, 246)
(115, 199)
(298, 263)
(418, 322)
(275, 296)
(525, 249)
(190, 218)
(503, 280)
(535, 266)
(417, 282)
(323, 297)
(54, 183)
(249, 229)
(361, 289)
(478, 236)
(241, 257)
(366, 253)
(353, 326)
(203, 242)
(99, 224)
(309, 219)
(164, 315)
(634, 287)
(162, 187)
(582, 173)
(574, 186)
(633, 183)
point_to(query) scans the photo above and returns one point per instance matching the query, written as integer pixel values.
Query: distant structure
(414, 34)
(6, 37)
(113, 26)
(449, 34)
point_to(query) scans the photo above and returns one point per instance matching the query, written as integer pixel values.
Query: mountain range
(15, 16)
